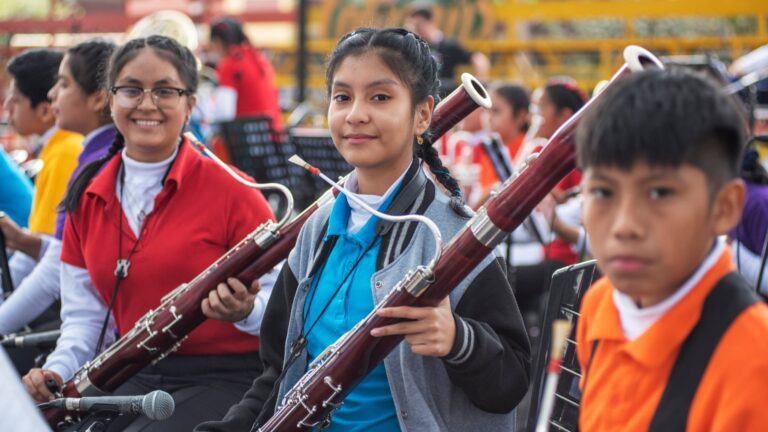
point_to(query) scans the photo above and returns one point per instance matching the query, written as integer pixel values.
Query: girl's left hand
(430, 331)
(231, 301)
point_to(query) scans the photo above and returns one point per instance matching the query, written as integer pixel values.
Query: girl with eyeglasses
(463, 365)
(156, 216)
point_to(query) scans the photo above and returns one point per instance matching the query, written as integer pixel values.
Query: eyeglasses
(163, 97)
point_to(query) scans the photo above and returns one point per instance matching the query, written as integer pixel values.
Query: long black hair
(88, 62)
(168, 49)
(408, 57)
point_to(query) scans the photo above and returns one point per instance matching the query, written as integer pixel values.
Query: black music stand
(316, 147)
(257, 150)
(565, 294)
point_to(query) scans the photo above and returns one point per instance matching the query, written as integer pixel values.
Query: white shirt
(143, 181)
(19, 412)
(636, 320)
(358, 215)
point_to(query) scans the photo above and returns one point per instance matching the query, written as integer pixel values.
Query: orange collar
(664, 338)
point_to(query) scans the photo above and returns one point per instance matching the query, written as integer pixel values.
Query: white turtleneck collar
(635, 320)
(143, 181)
(359, 216)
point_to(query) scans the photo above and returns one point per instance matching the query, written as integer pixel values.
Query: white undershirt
(143, 181)
(636, 320)
(359, 216)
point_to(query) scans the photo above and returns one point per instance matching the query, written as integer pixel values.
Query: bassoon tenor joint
(417, 280)
(484, 230)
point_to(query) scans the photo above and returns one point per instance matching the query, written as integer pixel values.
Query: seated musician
(163, 213)
(671, 339)
(463, 364)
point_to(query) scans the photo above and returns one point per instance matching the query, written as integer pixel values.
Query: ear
(191, 101)
(564, 114)
(424, 115)
(97, 101)
(727, 206)
(44, 112)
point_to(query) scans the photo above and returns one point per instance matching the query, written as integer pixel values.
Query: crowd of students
(125, 209)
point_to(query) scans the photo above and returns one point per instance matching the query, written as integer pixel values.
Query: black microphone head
(158, 405)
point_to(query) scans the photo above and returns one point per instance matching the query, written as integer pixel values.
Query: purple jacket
(754, 220)
(95, 147)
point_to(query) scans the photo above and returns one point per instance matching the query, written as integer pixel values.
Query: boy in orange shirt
(671, 339)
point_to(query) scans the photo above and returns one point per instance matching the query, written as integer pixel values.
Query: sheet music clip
(121, 271)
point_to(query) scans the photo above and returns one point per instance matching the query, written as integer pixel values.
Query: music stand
(565, 294)
(316, 147)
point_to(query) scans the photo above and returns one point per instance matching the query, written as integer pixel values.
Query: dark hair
(664, 118)
(229, 31)
(167, 48)
(35, 72)
(565, 95)
(408, 57)
(516, 96)
(88, 62)
(422, 12)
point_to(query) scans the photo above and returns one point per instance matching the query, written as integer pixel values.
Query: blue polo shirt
(16, 191)
(369, 407)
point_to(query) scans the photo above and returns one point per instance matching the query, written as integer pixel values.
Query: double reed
(162, 330)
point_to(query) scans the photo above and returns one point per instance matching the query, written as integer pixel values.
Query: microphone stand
(96, 422)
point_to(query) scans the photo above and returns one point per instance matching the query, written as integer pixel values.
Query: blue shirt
(369, 407)
(16, 191)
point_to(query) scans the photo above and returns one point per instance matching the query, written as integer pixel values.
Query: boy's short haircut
(35, 73)
(664, 118)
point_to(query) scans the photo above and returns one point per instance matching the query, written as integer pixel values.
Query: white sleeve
(19, 412)
(224, 104)
(252, 323)
(82, 314)
(20, 265)
(35, 294)
(749, 266)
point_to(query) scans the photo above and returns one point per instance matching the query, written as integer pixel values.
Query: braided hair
(164, 47)
(88, 62)
(409, 58)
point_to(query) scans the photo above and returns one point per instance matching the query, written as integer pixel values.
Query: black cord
(763, 259)
(7, 288)
(301, 341)
(121, 272)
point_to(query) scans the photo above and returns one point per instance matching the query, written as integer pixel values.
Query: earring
(419, 140)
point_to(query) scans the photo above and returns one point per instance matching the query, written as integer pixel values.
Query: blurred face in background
(23, 117)
(551, 118)
(75, 110)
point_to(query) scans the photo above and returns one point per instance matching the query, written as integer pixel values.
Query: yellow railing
(520, 57)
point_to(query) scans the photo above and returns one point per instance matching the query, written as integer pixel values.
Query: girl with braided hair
(463, 364)
(154, 217)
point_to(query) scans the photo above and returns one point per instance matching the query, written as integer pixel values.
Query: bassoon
(337, 370)
(163, 329)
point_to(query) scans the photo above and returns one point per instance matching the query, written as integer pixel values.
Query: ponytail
(81, 182)
(426, 152)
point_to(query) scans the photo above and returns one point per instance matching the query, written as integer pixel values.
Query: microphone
(157, 405)
(46, 339)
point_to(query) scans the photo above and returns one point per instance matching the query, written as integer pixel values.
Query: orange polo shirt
(626, 379)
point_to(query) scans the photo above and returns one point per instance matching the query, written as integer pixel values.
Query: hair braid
(81, 182)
